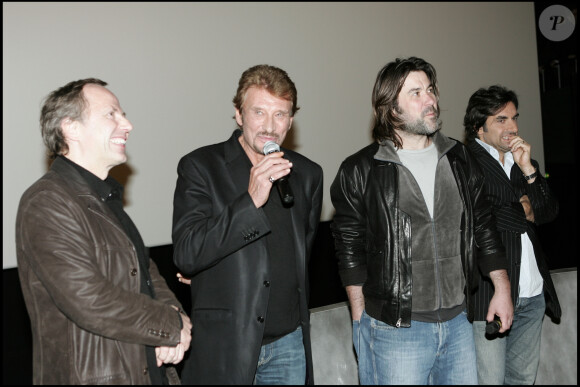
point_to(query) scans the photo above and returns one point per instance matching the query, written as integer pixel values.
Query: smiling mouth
(508, 136)
(119, 141)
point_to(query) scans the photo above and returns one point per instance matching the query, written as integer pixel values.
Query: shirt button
(133, 272)
(260, 319)
(267, 284)
(145, 370)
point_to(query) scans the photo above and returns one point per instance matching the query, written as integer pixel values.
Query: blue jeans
(512, 357)
(425, 353)
(283, 361)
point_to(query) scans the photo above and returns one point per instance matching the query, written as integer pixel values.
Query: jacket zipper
(437, 274)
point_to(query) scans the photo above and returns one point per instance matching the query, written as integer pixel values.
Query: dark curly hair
(484, 103)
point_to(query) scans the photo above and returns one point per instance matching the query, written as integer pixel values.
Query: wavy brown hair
(275, 80)
(386, 91)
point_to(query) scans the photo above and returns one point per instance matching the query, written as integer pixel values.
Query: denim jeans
(425, 353)
(283, 361)
(512, 357)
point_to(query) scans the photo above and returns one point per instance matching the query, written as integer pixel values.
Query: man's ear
(394, 111)
(70, 129)
(239, 118)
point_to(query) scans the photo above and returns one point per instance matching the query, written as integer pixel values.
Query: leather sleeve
(348, 226)
(86, 265)
(490, 251)
(162, 291)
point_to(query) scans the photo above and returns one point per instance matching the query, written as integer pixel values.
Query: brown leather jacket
(78, 272)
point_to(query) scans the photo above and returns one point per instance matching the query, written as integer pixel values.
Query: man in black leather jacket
(413, 232)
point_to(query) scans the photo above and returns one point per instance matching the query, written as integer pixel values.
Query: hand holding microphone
(492, 328)
(286, 194)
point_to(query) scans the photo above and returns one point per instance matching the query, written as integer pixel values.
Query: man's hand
(271, 166)
(174, 355)
(522, 153)
(525, 200)
(185, 331)
(169, 355)
(183, 280)
(501, 302)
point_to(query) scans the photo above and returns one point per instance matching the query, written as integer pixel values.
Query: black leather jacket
(372, 237)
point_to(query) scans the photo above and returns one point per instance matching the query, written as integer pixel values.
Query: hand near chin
(522, 153)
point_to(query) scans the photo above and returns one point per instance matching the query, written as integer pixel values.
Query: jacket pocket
(97, 359)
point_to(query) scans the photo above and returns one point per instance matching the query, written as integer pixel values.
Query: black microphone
(284, 189)
(493, 327)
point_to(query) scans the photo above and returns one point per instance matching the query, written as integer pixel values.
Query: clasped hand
(173, 355)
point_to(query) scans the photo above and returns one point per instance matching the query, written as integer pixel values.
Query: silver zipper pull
(398, 324)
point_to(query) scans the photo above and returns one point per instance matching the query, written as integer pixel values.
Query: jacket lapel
(237, 162)
(491, 167)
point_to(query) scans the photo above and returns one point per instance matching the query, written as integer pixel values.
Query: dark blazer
(217, 236)
(504, 195)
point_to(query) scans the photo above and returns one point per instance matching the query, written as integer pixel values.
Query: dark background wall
(558, 77)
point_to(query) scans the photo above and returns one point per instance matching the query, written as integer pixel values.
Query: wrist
(532, 175)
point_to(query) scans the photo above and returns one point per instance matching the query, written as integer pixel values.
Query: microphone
(284, 189)
(493, 327)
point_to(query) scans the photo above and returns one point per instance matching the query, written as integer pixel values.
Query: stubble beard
(422, 126)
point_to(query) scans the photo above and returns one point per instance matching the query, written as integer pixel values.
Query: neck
(411, 141)
(101, 173)
(501, 157)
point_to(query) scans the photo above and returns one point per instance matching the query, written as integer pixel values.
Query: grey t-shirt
(423, 165)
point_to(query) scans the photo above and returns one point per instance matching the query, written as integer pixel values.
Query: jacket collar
(108, 189)
(387, 151)
(237, 162)
(234, 152)
(71, 176)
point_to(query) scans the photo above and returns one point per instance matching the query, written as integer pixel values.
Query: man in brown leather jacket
(100, 311)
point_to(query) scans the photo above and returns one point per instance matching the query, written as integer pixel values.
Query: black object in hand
(493, 327)
(284, 189)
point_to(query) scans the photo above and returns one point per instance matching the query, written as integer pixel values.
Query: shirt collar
(108, 189)
(494, 152)
(508, 157)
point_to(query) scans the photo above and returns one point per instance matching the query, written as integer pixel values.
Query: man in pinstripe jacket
(521, 199)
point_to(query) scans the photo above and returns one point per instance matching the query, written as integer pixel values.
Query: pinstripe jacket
(504, 195)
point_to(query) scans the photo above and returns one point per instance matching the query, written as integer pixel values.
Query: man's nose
(126, 124)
